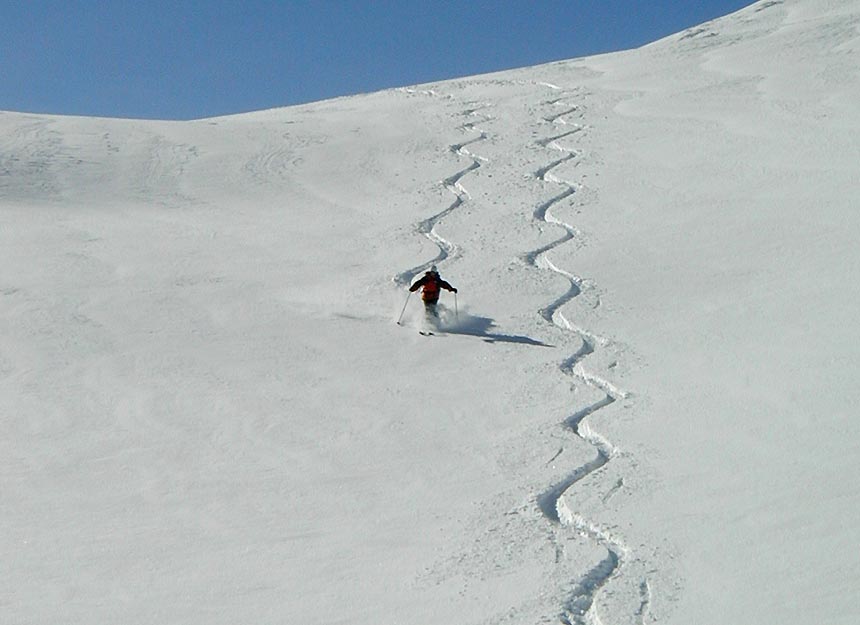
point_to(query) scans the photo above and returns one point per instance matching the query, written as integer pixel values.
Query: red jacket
(431, 282)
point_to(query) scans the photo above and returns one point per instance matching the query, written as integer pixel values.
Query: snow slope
(643, 409)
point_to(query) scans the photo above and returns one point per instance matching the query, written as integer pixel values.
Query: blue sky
(185, 59)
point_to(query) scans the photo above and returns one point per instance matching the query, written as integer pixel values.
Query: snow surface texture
(642, 409)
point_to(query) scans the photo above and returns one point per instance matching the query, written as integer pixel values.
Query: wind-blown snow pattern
(210, 417)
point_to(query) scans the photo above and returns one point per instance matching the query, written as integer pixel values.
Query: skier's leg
(430, 314)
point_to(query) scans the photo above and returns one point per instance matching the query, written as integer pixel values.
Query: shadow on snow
(482, 327)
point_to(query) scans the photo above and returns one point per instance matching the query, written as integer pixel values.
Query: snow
(640, 409)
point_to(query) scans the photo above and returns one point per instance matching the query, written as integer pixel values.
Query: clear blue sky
(184, 59)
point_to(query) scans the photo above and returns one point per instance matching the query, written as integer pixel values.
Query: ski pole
(456, 308)
(404, 308)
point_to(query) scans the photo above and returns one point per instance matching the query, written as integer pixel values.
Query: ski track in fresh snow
(581, 606)
(427, 227)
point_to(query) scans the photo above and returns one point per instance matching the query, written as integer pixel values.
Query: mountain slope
(640, 409)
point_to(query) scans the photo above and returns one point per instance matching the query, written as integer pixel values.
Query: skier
(432, 282)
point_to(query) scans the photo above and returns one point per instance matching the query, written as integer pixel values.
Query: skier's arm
(447, 286)
(417, 285)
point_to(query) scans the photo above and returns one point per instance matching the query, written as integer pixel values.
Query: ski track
(427, 227)
(581, 606)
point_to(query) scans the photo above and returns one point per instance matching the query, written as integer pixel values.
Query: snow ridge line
(580, 608)
(427, 227)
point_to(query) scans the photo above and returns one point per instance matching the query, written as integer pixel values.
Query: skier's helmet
(433, 269)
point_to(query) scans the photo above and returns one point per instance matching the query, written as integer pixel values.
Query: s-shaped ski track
(428, 227)
(581, 606)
